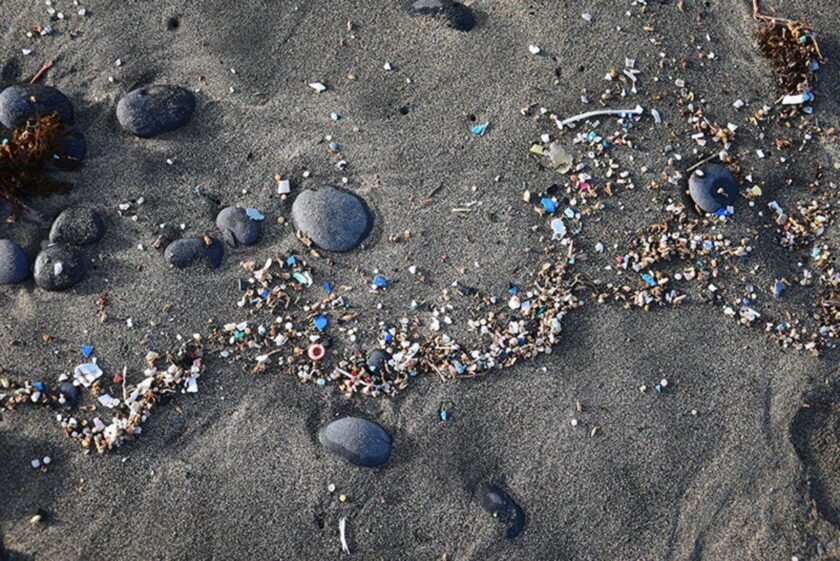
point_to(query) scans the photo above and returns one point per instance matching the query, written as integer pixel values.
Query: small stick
(43, 70)
(701, 162)
(637, 111)
(758, 15)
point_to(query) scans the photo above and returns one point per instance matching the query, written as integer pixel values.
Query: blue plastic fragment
(264, 293)
(291, 261)
(648, 278)
(87, 350)
(513, 289)
(569, 213)
(334, 146)
(478, 130)
(254, 214)
(39, 385)
(778, 288)
(444, 415)
(328, 287)
(380, 281)
(321, 323)
(388, 337)
(549, 205)
(707, 245)
(322, 382)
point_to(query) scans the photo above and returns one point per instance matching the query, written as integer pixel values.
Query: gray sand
(236, 472)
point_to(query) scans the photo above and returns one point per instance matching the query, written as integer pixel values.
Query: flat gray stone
(155, 110)
(20, 103)
(77, 226)
(713, 187)
(237, 227)
(59, 267)
(456, 15)
(14, 265)
(497, 502)
(333, 219)
(359, 441)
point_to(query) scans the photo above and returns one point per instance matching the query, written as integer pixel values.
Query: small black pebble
(498, 503)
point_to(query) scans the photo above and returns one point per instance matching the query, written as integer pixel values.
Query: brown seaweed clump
(794, 52)
(23, 163)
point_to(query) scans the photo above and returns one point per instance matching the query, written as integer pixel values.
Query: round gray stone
(333, 219)
(23, 102)
(59, 267)
(14, 265)
(237, 227)
(77, 226)
(713, 187)
(186, 251)
(154, 110)
(359, 441)
(376, 360)
(497, 502)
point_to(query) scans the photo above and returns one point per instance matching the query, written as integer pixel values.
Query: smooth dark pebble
(359, 441)
(237, 227)
(457, 15)
(59, 267)
(186, 251)
(77, 226)
(14, 265)
(333, 219)
(376, 360)
(72, 394)
(498, 503)
(713, 188)
(154, 110)
(20, 103)
(215, 254)
(71, 151)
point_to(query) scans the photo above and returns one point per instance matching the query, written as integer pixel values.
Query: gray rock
(14, 265)
(503, 508)
(333, 219)
(456, 15)
(376, 360)
(154, 110)
(713, 187)
(59, 267)
(359, 441)
(72, 149)
(72, 394)
(237, 227)
(20, 103)
(77, 226)
(186, 251)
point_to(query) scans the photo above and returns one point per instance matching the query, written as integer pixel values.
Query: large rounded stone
(359, 441)
(237, 227)
(14, 265)
(20, 103)
(333, 219)
(59, 267)
(713, 187)
(456, 15)
(498, 503)
(77, 226)
(154, 110)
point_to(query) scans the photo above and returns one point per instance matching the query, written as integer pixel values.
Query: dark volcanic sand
(236, 471)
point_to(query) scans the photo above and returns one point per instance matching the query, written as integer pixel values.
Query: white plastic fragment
(342, 531)
(318, 87)
(638, 110)
(284, 187)
(87, 374)
(534, 49)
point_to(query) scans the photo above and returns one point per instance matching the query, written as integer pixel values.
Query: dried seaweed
(24, 159)
(793, 50)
